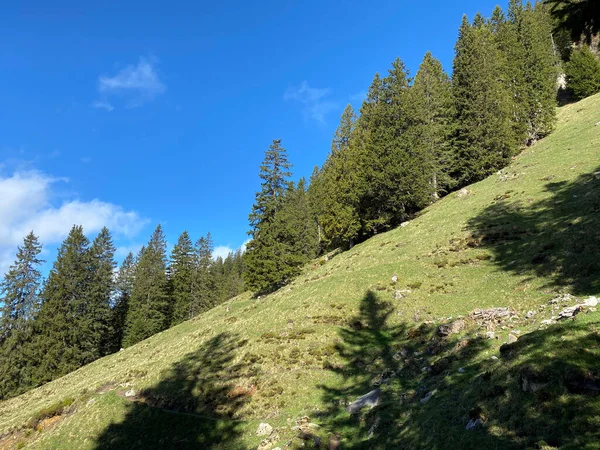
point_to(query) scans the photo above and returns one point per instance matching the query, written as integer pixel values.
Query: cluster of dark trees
(85, 309)
(414, 140)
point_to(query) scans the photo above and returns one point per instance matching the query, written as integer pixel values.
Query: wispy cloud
(25, 205)
(100, 104)
(316, 105)
(136, 83)
(358, 97)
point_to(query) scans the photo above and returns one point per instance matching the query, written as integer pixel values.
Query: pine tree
(100, 292)
(64, 337)
(583, 73)
(333, 191)
(183, 267)
(20, 289)
(204, 293)
(149, 304)
(485, 137)
(261, 266)
(432, 125)
(124, 288)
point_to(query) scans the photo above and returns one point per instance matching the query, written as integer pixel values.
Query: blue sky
(160, 112)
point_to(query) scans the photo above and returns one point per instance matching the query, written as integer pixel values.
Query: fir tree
(583, 73)
(100, 292)
(204, 293)
(485, 138)
(149, 304)
(124, 289)
(432, 125)
(183, 268)
(65, 338)
(20, 289)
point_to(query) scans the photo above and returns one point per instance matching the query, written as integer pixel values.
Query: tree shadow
(194, 405)
(557, 238)
(540, 389)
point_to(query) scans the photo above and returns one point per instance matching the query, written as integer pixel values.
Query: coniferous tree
(204, 292)
(124, 288)
(583, 73)
(261, 255)
(183, 268)
(65, 338)
(149, 304)
(100, 292)
(20, 289)
(432, 125)
(485, 138)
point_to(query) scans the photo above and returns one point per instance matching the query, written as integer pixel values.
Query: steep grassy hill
(518, 240)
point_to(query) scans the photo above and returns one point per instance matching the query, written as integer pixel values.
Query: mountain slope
(517, 239)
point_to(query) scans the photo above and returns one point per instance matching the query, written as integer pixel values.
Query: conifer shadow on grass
(194, 405)
(560, 362)
(557, 238)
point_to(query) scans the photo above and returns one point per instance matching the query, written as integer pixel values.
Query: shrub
(583, 73)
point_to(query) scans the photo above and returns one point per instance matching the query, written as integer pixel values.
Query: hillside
(520, 239)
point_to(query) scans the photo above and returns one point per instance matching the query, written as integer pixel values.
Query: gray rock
(370, 399)
(428, 396)
(529, 314)
(591, 302)
(264, 429)
(374, 427)
(547, 322)
(90, 402)
(512, 339)
(400, 294)
(461, 370)
(490, 335)
(494, 358)
(130, 393)
(569, 312)
(403, 224)
(464, 192)
(474, 423)
(451, 328)
(394, 278)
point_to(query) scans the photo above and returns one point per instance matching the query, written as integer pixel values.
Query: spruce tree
(485, 138)
(149, 304)
(100, 292)
(432, 124)
(65, 337)
(124, 288)
(183, 267)
(583, 73)
(204, 294)
(261, 265)
(20, 290)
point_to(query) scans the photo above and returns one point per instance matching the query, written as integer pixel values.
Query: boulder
(451, 328)
(264, 429)
(370, 399)
(512, 339)
(428, 396)
(591, 302)
(569, 312)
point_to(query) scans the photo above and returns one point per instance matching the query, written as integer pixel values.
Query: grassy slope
(516, 240)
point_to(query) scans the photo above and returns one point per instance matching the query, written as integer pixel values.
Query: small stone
(512, 338)
(490, 335)
(264, 429)
(461, 370)
(547, 322)
(529, 314)
(428, 396)
(90, 402)
(400, 294)
(474, 423)
(370, 399)
(597, 174)
(494, 358)
(403, 224)
(394, 278)
(121, 349)
(130, 393)
(464, 192)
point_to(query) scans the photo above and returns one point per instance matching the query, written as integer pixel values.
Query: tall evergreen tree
(204, 294)
(149, 304)
(182, 278)
(20, 289)
(433, 110)
(65, 338)
(100, 292)
(485, 138)
(261, 264)
(583, 73)
(124, 288)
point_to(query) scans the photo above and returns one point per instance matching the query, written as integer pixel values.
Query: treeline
(413, 141)
(85, 310)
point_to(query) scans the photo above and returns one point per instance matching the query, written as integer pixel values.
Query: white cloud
(316, 106)
(224, 250)
(137, 84)
(103, 104)
(25, 205)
